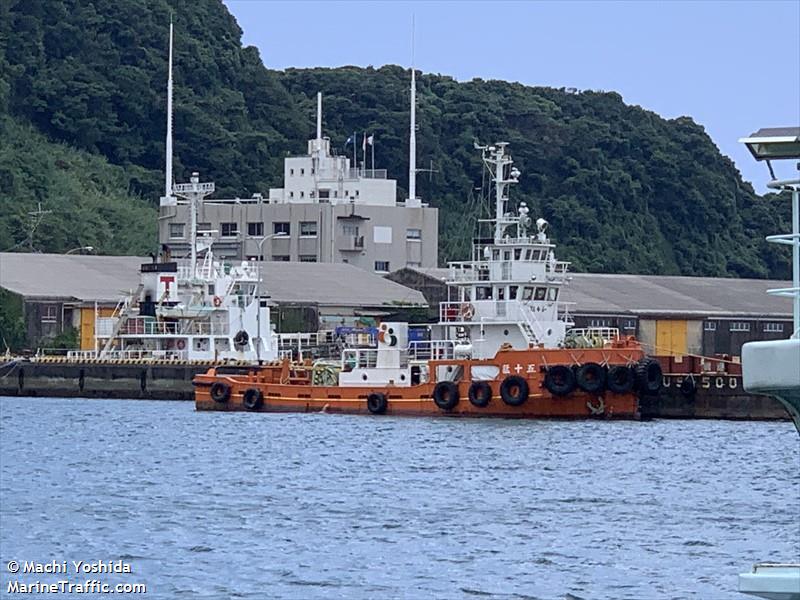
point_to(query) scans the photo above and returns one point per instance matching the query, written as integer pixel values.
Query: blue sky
(732, 66)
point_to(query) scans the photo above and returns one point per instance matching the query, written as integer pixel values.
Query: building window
(249, 257)
(291, 171)
(302, 194)
(710, 326)
(413, 263)
(413, 234)
(324, 194)
(229, 229)
(176, 230)
(349, 229)
(203, 227)
(773, 327)
(280, 257)
(382, 266)
(740, 326)
(308, 228)
(308, 258)
(281, 228)
(629, 324)
(291, 194)
(302, 172)
(599, 322)
(50, 313)
(255, 229)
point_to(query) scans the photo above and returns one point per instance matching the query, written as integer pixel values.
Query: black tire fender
(514, 390)
(620, 379)
(377, 403)
(559, 380)
(220, 392)
(480, 394)
(591, 378)
(649, 376)
(252, 398)
(445, 395)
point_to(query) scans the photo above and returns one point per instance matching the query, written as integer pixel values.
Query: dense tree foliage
(623, 189)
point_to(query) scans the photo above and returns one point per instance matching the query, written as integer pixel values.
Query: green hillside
(623, 189)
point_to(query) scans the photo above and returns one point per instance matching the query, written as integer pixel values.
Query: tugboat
(505, 347)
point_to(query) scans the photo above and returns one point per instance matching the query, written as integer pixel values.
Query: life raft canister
(649, 376)
(220, 392)
(480, 394)
(514, 390)
(376, 403)
(445, 395)
(591, 378)
(252, 398)
(620, 379)
(559, 380)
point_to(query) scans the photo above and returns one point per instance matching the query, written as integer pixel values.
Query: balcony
(350, 243)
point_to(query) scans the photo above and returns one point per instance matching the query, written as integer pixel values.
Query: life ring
(467, 311)
(220, 392)
(480, 394)
(688, 387)
(559, 380)
(217, 301)
(180, 344)
(620, 379)
(591, 378)
(649, 376)
(376, 403)
(514, 390)
(252, 398)
(445, 395)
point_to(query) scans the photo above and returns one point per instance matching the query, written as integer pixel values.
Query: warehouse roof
(595, 293)
(107, 278)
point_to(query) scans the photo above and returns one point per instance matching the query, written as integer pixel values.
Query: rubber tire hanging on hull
(445, 395)
(688, 388)
(252, 399)
(377, 403)
(220, 392)
(514, 390)
(620, 379)
(591, 378)
(559, 380)
(649, 376)
(480, 394)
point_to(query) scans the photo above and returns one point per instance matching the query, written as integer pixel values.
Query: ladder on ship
(125, 311)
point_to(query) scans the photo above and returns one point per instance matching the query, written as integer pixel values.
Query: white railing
(359, 359)
(81, 355)
(486, 310)
(432, 350)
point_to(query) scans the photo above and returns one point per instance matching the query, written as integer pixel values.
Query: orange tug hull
(283, 387)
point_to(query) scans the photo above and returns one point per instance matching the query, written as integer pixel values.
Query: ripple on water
(331, 506)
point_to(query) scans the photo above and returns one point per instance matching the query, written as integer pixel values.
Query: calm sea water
(325, 506)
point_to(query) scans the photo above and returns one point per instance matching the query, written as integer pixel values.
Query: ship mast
(496, 160)
(168, 158)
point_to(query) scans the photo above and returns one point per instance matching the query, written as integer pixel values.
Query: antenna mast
(168, 170)
(319, 119)
(412, 141)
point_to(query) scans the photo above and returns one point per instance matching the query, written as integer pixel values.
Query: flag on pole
(371, 139)
(364, 143)
(349, 141)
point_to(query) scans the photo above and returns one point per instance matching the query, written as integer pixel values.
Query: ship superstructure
(510, 292)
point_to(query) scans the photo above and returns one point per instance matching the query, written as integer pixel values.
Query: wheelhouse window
(552, 294)
(527, 293)
(517, 253)
(280, 257)
(512, 292)
(176, 230)
(281, 228)
(229, 229)
(483, 293)
(255, 229)
(540, 294)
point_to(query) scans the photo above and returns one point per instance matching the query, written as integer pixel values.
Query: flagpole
(373, 155)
